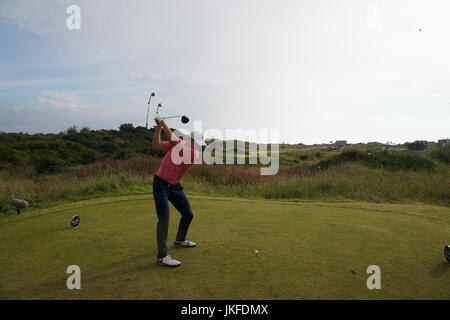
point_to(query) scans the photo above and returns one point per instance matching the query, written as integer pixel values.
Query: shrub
(442, 155)
(109, 148)
(72, 130)
(89, 156)
(8, 157)
(393, 161)
(126, 127)
(47, 162)
(125, 154)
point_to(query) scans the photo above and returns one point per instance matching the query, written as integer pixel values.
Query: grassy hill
(82, 164)
(49, 153)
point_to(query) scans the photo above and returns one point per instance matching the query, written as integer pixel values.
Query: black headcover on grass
(75, 221)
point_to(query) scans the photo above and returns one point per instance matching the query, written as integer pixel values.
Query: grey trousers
(163, 192)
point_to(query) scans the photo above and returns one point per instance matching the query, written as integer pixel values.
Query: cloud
(54, 111)
(38, 16)
(61, 100)
(48, 100)
(296, 65)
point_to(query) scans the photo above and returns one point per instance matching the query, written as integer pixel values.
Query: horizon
(330, 142)
(317, 71)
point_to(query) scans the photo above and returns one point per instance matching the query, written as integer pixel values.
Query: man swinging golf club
(167, 187)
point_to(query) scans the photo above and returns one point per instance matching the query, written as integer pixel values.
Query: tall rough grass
(357, 182)
(393, 161)
(106, 176)
(347, 180)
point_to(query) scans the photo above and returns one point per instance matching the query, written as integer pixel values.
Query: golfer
(167, 187)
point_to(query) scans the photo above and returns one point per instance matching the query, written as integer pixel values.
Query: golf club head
(447, 253)
(157, 108)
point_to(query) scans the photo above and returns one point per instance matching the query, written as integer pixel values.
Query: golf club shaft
(148, 110)
(172, 117)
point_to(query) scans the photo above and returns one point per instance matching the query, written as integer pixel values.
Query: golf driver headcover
(75, 221)
(447, 253)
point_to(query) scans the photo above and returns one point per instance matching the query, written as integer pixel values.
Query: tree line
(47, 153)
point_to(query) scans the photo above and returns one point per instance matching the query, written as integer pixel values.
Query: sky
(317, 71)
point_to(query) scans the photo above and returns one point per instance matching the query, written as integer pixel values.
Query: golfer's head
(197, 138)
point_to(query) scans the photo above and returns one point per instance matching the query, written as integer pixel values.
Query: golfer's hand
(159, 120)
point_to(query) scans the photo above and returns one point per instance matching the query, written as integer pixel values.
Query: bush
(442, 155)
(126, 127)
(109, 148)
(47, 162)
(89, 156)
(72, 130)
(74, 146)
(394, 161)
(8, 157)
(125, 154)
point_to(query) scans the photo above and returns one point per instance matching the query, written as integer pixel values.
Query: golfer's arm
(169, 134)
(156, 143)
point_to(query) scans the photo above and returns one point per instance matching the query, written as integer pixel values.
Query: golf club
(148, 108)
(184, 119)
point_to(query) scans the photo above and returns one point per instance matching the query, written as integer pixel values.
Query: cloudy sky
(316, 70)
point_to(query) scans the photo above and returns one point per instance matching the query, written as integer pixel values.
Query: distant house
(393, 147)
(443, 143)
(417, 145)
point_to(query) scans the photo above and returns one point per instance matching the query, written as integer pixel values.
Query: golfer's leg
(181, 203)
(162, 210)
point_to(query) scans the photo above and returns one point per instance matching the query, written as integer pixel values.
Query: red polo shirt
(173, 172)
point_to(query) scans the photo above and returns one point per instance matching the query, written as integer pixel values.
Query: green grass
(308, 250)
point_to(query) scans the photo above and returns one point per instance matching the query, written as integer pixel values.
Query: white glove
(158, 119)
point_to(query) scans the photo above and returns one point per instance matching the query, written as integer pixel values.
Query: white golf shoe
(168, 261)
(185, 244)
